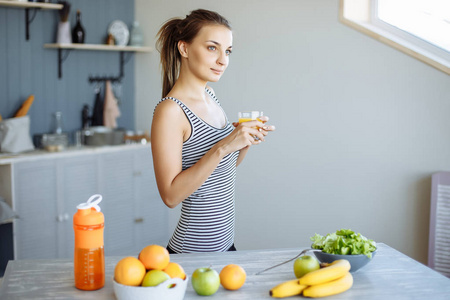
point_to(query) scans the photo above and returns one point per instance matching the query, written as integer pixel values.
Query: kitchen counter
(391, 275)
(39, 154)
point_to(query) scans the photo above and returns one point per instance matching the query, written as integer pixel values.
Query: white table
(391, 275)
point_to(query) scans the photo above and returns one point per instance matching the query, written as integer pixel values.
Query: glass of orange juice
(245, 116)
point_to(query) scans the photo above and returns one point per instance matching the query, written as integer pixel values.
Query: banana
(287, 289)
(330, 288)
(335, 270)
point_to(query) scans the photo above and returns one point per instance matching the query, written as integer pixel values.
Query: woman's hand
(247, 134)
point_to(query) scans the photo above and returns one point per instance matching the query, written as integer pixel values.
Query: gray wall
(27, 68)
(360, 125)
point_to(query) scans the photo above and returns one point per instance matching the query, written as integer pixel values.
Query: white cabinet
(45, 193)
(35, 201)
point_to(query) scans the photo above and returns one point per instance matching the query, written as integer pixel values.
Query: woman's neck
(187, 89)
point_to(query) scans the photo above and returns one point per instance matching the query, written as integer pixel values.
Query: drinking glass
(245, 116)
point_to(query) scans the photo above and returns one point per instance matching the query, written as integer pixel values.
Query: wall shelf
(23, 4)
(27, 6)
(96, 47)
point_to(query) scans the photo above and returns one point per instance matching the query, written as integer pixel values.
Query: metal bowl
(102, 136)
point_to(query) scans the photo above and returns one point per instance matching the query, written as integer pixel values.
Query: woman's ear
(183, 48)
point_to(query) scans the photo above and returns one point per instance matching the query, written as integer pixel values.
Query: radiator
(439, 242)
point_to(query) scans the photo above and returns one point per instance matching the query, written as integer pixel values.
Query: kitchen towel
(110, 109)
(15, 135)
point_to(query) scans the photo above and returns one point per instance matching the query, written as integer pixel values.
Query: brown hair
(175, 30)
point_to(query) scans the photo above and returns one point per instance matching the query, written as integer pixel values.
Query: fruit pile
(206, 281)
(314, 281)
(152, 267)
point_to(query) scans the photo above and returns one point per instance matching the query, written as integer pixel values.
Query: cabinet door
(116, 187)
(35, 232)
(77, 181)
(151, 214)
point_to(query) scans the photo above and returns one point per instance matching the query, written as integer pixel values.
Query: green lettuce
(344, 242)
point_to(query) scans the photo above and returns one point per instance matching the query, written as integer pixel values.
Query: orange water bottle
(89, 257)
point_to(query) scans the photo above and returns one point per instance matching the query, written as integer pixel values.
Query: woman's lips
(217, 71)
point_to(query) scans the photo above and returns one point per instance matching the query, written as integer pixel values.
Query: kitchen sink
(102, 136)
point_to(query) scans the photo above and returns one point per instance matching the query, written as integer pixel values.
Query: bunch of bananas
(331, 280)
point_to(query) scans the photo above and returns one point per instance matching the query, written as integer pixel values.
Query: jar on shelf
(137, 37)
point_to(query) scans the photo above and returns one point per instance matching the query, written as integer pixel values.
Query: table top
(390, 275)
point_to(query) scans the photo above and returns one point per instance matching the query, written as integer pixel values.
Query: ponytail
(175, 30)
(167, 45)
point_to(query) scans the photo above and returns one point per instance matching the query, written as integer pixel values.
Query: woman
(195, 148)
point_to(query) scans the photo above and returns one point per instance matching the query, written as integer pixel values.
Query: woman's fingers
(253, 132)
(268, 128)
(257, 133)
(264, 119)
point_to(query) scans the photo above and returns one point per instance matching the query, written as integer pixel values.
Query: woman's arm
(170, 128)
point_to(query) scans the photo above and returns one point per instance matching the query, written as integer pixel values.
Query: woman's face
(209, 53)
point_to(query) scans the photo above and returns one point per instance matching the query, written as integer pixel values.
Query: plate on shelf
(120, 32)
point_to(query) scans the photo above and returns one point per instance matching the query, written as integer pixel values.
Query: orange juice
(89, 268)
(246, 116)
(242, 120)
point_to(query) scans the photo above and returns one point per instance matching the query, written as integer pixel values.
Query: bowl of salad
(344, 244)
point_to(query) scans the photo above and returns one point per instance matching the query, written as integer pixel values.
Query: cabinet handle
(63, 217)
(138, 220)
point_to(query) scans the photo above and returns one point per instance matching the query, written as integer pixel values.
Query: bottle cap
(89, 213)
(93, 201)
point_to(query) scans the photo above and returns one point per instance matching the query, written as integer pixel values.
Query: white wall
(360, 126)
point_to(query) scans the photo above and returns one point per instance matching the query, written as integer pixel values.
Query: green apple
(305, 264)
(154, 277)
(205, 281)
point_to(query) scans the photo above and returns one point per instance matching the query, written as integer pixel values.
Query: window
(420, 28)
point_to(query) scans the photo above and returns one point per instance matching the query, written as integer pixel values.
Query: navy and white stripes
(207, 215)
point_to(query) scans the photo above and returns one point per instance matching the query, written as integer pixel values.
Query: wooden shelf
(23, 4)
(34, 6)
(98, 47)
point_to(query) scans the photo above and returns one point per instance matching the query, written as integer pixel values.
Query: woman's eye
(212, 47)
(228, 52)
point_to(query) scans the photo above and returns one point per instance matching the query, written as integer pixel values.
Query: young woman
(195, 148)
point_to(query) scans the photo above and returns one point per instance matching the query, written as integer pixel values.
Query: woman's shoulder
(168, 106)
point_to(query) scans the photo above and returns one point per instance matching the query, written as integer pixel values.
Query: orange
(175, 271)
(232, 277)
(154, 257)
(129, 271)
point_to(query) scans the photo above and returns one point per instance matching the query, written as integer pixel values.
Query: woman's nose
(222, 59)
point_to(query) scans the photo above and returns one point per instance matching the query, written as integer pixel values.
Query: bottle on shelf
(78, 33)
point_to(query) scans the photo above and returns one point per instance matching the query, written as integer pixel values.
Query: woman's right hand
(247, 133)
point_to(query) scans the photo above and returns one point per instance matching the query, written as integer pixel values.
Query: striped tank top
(207, 216)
